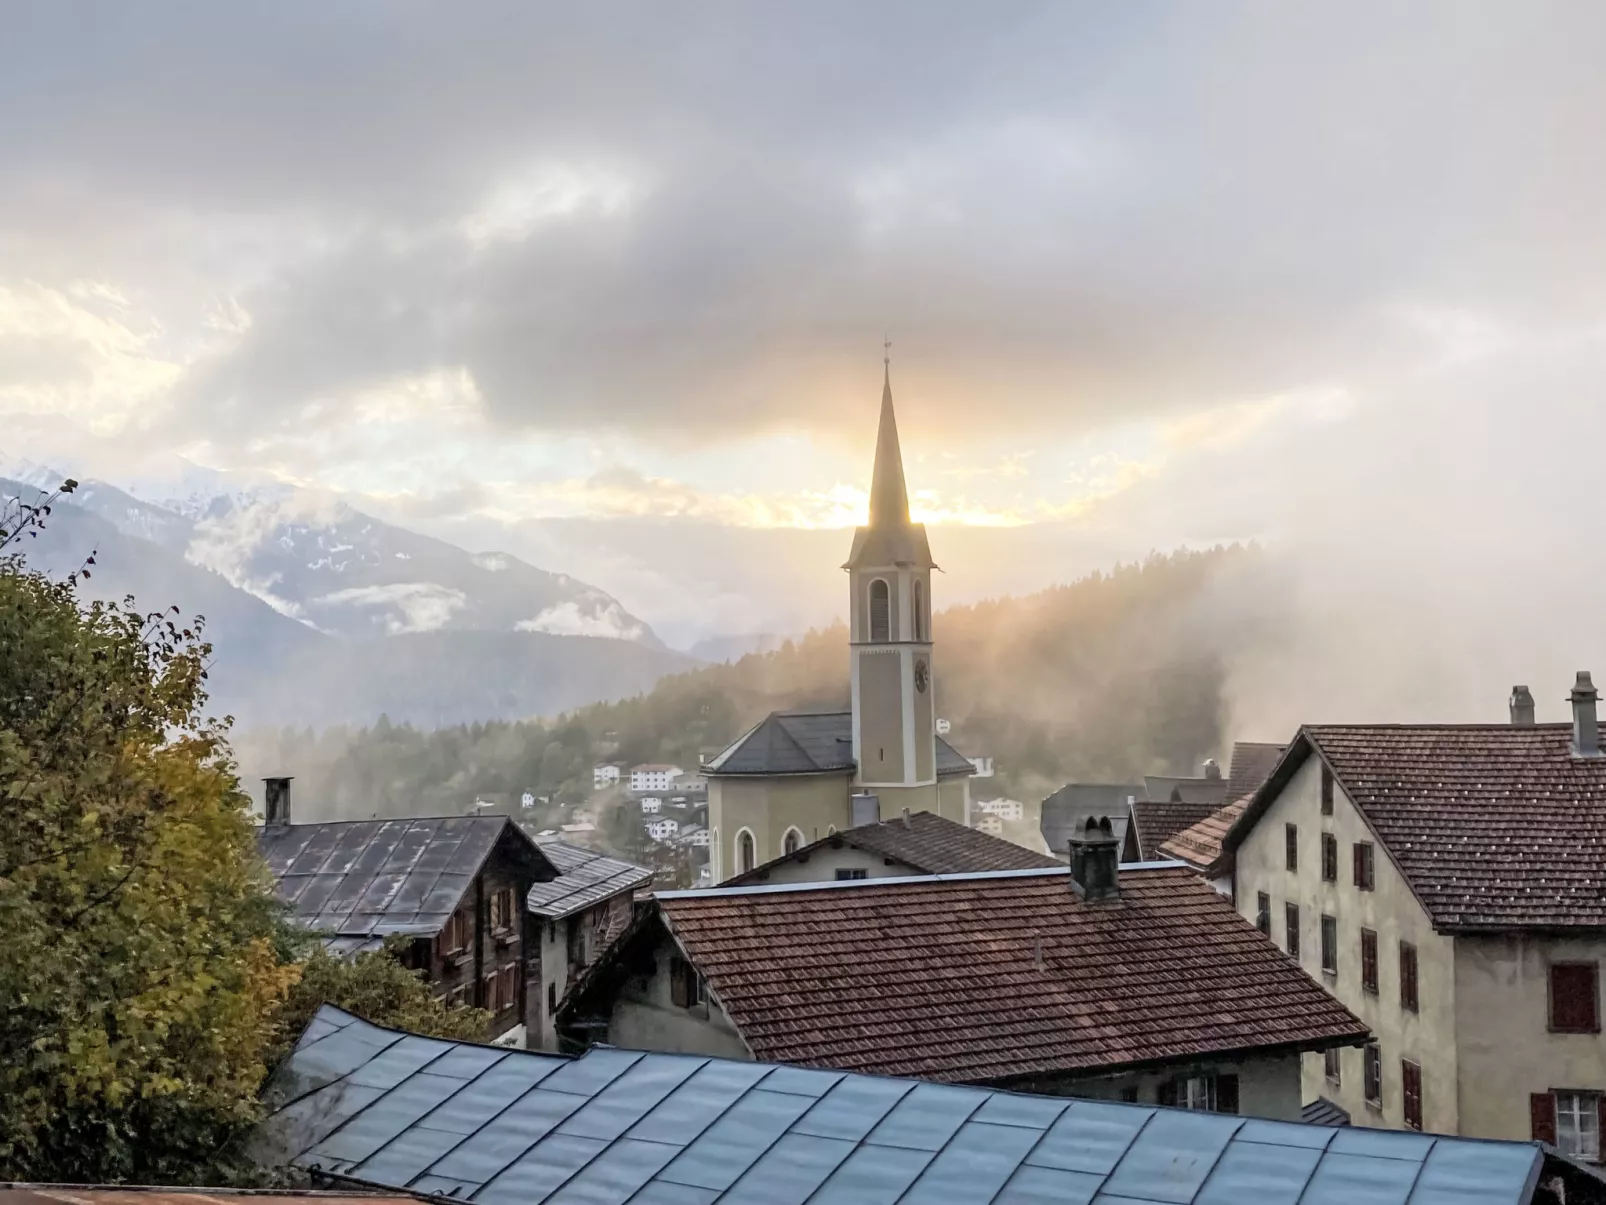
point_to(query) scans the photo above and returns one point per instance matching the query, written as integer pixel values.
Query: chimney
(1211, 768)
(864, 808)
(276, 801)
(1586, 728)
(1094, 858)
(1522, 707)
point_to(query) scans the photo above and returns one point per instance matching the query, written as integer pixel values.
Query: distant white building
(604, 776)
(663, 828)
(691, 782)
(527, 800)
(984, 766)
(944, 727)
(651, 805)
(653, 777)
(696, 835)
(1005, 809)
(583, 826)
(991, 825)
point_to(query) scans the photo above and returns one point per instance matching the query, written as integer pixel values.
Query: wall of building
(1268, 1086)
(1503, 1025)
(880, 680)
(824, 863)
(556, 968)
(814, 803)
(1390, 910)
(645, 1017)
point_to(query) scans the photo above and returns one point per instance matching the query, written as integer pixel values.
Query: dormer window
(880, 611)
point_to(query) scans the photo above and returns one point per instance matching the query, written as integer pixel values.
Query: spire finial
(886, 351)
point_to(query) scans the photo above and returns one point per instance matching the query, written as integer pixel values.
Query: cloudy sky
(605, 285)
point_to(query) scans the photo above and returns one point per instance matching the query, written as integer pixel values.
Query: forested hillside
(1112, 676)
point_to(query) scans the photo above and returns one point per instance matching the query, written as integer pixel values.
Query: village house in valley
(1446, 883)
(1139, 986)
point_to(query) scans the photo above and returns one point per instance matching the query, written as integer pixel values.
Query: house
(1011, 810)
(991, 825)
(575, 916)
(445, 1120)
(1200, 846)
(1143, 985)
(452, 885)
(651, 805)
(653, 777)
(921, 844)
(1445, 882)
(604, 776)
(696, 836)
(984, 766)
(1067, 811)
(663, 828)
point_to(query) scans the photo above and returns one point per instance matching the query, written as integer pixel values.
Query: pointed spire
(889, 496)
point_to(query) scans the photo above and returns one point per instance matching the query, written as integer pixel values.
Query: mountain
(734, 648)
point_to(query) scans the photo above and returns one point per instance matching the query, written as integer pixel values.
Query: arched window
(746, 852)
(880, 610)
(713, 856)
(792, 842)
(920, 612)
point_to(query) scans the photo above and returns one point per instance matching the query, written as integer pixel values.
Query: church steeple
(889, 496)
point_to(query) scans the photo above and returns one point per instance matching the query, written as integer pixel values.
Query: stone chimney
(276, 801)
(1586, 727)
(1211, 768)
(1522, 707)
(1095, 855)
(863, 808)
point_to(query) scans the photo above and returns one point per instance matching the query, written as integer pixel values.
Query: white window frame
(1197, 1092)
(791, 832)
(736, 849)
(869, 611)
(1578, 1125)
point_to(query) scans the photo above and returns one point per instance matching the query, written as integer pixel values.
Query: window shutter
(1167, 1094)
(1542, 1117)
(1226, 1094)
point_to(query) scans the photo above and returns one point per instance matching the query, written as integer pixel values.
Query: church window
(746, 854)
(792, 842)
(880, 610)
(920, 612)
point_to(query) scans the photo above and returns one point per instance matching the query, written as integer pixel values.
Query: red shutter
(1359, 873)
(1226, 1094)
(1542, 1117)
(1574, 1002)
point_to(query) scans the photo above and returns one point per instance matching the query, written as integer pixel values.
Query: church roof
(890, 538)
(819, 742)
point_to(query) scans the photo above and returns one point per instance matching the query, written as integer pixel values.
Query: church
(798, 776)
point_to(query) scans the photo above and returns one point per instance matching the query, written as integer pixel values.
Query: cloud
(567, 619)
(421, 606)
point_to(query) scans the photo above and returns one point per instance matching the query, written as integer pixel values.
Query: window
(507, 988)
(1291, 845)
(1333, 1066)
(880, 611)
(848, 876)
(454, 936)
(792, 842)
(551, 998)
(1130, 1095)
(575, 943)
(1329, 858)
(1369, 961)
(1291, 918)
(1364, 865)
(1330, 945)
(1411, 1092)
(1263, 913)
(1408, 999)
(1327, 791)
(502, 910)
(685, 984)
(1574, 997)
(1569, 1121)
(746, 852)
(919, 612)
(1202, 1093)
(488, 998)
(1374, 1075)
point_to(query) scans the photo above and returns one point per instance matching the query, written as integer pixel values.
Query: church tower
(889, 577)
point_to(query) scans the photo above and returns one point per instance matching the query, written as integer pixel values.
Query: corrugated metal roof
(369, 878)
(613, 1126)
(585, 877)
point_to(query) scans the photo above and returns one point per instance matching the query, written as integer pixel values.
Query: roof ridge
(911, 880)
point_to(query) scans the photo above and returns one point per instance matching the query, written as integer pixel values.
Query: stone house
(1445, 883)
(1142, 985)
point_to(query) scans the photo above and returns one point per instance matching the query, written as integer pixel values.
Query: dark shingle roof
(585, 877)
(1068, 809)
(1252, 764)
(363, 879)
(1323, 1112)
(1200, 845)
(908, 976)
(924, 842)
(1494, 826)
(818, 742)
(475, 1123)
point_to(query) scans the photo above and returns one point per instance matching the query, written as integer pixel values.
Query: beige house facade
(1444, 883)
(794, 778)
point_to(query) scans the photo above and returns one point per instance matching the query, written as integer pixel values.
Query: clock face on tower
(922, 675)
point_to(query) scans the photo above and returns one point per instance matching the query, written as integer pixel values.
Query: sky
(606, 286)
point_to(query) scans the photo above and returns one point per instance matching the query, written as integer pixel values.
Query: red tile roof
(1252, 764)
(924, 842)
(1161, 819)
(937, 978)
(1200, 845)
(1493, 826)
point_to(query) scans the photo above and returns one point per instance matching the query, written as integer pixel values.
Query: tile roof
(1067, 810)
(924, 841)
(812, 742)
(1161, 819)
(514, 1127)
(1200, 845)
(363, 879)
(585, 878)
(906, 976)
(1252, 764)
(1494, 826)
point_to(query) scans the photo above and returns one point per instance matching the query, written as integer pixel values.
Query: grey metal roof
(808, 742)
(1159, 788)
(367, 878)
(1323, 1112)
(507, 1127)
(1067, 810)
(585, 877)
